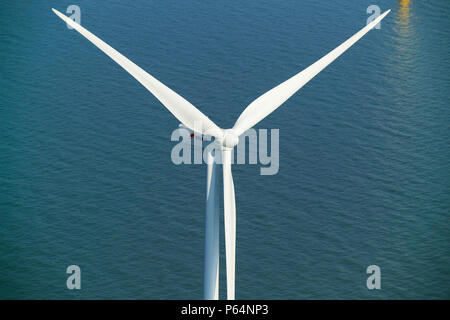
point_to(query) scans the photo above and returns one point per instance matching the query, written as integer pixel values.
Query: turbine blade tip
(59, 14)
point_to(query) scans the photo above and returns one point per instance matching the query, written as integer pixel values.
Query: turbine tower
(195, 120)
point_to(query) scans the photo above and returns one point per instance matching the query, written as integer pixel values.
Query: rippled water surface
(86, 176)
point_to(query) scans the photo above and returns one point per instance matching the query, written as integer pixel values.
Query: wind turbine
(193, 119)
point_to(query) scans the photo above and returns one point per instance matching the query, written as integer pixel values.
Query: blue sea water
(86, 176)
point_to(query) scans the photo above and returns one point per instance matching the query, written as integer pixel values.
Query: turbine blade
(177, 105)
(271, 100)
(211, 280)
(229, 206)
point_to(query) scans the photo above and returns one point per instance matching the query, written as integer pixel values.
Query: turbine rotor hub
(229, 139)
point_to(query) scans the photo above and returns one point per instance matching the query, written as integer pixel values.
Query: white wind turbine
(195, 120)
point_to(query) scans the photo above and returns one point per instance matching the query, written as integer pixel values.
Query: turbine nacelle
(228, 138)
